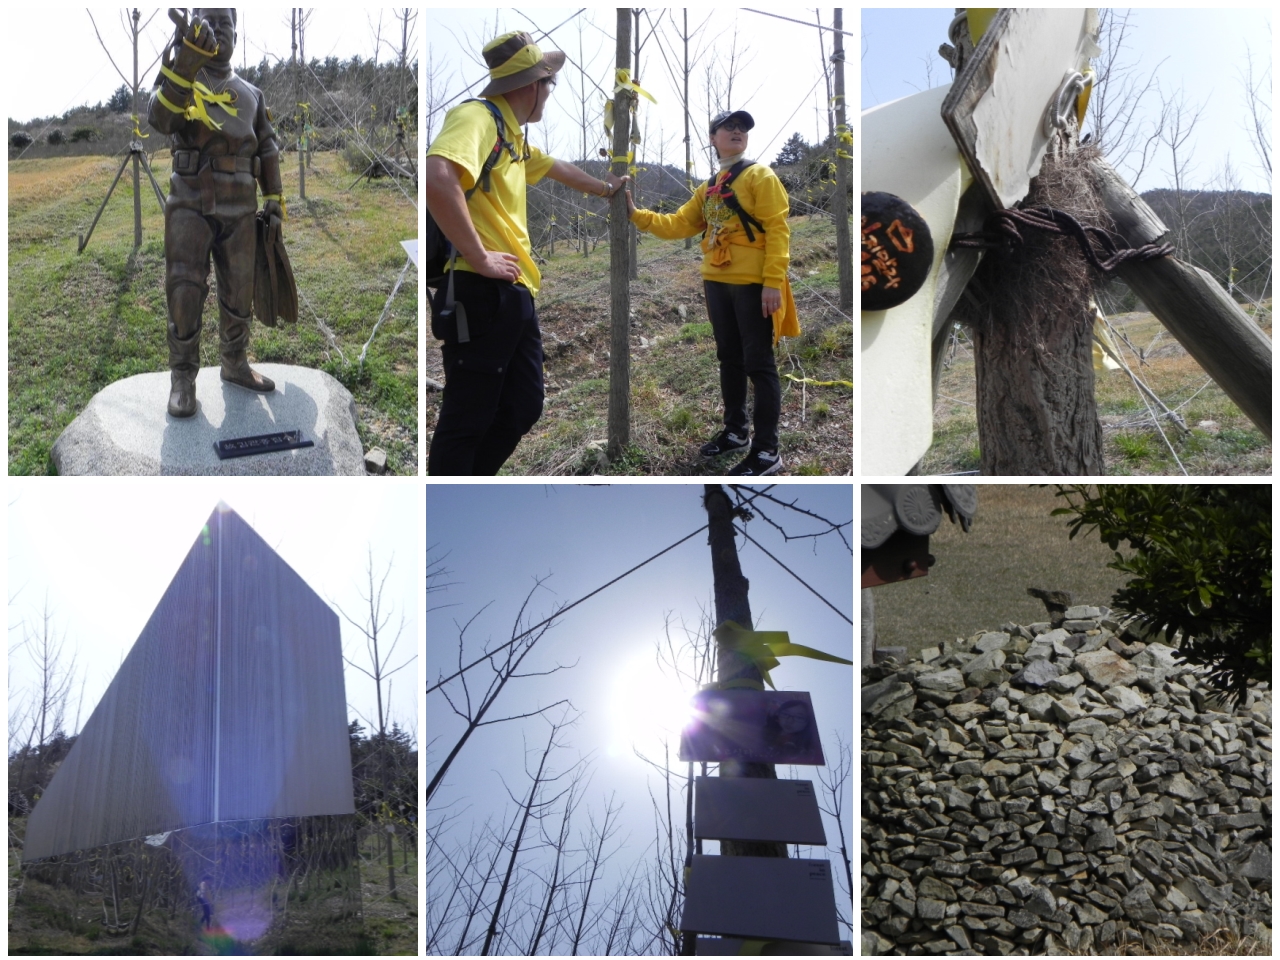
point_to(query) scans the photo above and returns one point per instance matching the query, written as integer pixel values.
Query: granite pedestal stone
(126, 431)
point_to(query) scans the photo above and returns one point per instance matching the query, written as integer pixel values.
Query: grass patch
(675, 383)
(1222, 441)
(78, 322)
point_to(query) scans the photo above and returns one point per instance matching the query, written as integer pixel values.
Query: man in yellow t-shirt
(493, 370)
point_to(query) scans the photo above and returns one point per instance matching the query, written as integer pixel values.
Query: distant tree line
(340, 96)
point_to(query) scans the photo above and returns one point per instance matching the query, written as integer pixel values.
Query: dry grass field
(980, 580)
(1219, 440)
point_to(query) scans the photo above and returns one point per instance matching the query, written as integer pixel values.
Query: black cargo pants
(493, 388)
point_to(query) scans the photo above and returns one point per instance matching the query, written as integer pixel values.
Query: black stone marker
(263, 443)
(897, 251)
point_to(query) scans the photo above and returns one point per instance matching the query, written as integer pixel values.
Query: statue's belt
(192, 163)
(189, 163)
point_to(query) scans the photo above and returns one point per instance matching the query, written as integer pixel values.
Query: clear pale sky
(495, 539)
(104, 551)
(1205, 51)
(777, 85)
(59, 64)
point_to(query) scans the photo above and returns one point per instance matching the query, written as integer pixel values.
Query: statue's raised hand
(198, 46)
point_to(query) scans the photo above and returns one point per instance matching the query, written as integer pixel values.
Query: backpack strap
(731, 199)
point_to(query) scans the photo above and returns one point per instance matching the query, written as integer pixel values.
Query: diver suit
(223, 147)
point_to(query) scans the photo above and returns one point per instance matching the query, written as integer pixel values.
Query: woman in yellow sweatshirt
(746, 248)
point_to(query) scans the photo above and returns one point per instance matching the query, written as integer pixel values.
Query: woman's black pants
(744, 347)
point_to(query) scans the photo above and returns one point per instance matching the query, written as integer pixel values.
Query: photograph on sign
(749, 808)
(754, 726)
(761, 898)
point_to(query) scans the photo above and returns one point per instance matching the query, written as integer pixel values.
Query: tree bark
(619, 257)
(1033, 341)
(844, 168)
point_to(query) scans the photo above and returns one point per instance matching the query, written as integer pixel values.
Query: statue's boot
(234, 335)
(184, 365)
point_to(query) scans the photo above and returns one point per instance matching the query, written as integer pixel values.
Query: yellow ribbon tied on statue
(763, 647)
(626, 83)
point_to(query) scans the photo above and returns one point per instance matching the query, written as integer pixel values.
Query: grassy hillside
(1221, 440)
(78, 322)
(675, 392)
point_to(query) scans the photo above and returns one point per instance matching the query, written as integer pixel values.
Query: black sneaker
(759, 463)
(723, 442)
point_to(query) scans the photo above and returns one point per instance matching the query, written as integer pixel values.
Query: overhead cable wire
(803, 23)
(796, 575)
(563, 610)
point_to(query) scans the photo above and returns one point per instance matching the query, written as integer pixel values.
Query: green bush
(56, 138)
(83, 135)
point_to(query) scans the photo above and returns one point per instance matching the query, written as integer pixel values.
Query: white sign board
(998, 104)
(907, 151)
(754, 808)
(761, 898)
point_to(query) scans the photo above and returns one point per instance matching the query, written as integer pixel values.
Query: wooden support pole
(732, 604)
(137, 178)
(1192, 305)
(619, 268)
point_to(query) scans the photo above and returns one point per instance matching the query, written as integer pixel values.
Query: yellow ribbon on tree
(626, 83)
(763, 647)
(136, 132)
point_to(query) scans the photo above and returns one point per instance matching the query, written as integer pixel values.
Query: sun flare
(645, 705)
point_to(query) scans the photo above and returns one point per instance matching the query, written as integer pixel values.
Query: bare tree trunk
(515, 847)
(844, 169)
(619, 269)
(1033, 342)
(688, 144)
(732, 604)
(633, 235)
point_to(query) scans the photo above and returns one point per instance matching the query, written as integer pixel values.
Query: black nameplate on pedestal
(263, 443)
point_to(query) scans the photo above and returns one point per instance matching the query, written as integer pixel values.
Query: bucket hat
(515, 61)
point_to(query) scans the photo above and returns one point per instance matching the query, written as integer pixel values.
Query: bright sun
(644, 705)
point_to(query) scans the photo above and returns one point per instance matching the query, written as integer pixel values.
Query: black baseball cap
(721, 119)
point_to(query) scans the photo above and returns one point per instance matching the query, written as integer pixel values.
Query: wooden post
(732, 604)
(1192, 305)
(844, 170)
(137, 179)
(619, 284)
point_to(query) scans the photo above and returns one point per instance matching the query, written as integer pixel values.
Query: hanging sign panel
(754, 726)
(733, 947)
(752, 808)
(761, 898)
